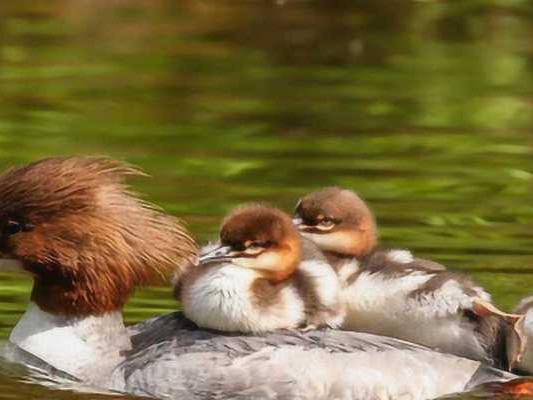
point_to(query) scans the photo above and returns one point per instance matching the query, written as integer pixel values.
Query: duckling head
(259, 238)
(338, 221)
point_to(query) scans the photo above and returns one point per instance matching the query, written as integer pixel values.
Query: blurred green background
(423, 107)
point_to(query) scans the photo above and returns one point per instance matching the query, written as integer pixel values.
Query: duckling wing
(179, 361)
(427, 285)
(414, 289)
(449, 293)
(399, 262)
(422, 303)
(473, 326)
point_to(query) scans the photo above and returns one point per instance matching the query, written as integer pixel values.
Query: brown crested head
(260, 238)
(86, 239)
(338, 221)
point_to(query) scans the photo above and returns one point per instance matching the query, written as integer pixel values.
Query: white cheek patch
(269, 260)
(245, 262)
(266, 261)
(341, 242)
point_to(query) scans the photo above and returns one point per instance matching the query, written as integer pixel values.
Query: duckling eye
(327, 222)
(238, 246)
(254, 246)
(257, 247)
(263, 245)
(11, 228)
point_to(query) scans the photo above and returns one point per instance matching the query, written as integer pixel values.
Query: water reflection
(423, 107)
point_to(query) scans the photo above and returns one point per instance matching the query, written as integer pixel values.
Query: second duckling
(390, 292)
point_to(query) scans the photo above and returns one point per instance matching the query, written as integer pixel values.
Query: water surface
(424, 107)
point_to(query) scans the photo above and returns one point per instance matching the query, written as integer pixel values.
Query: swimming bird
(87, 241)
(390, 292)
(254, 280)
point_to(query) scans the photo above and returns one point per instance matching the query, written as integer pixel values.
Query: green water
(424, 107)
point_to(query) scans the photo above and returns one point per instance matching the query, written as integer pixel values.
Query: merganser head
(338, 221)
(86, 239)
(259, 238)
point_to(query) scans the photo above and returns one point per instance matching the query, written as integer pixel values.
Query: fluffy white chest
(87, 348)
(222, 299)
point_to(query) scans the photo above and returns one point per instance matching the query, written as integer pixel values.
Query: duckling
(390, 292)
(254, 278)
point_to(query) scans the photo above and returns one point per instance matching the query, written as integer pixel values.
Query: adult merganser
(87, 241)
(392, 293)
(254, 279)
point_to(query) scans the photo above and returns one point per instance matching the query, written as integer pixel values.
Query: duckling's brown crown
(257, 222)
(334, 202)
(346, 210)
(270, 229)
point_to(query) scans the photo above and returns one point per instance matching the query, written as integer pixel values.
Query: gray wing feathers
(192, 364)
(297, 373)
(487, 374)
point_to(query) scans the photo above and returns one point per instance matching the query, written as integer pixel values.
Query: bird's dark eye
(12, 228)
(238, 246)
(256, 247)
(264, 245)
(253, 246)
(327, 222)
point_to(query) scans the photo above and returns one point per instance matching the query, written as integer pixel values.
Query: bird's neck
(87, 347)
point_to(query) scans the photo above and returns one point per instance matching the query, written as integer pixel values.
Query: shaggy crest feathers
(89, 240)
